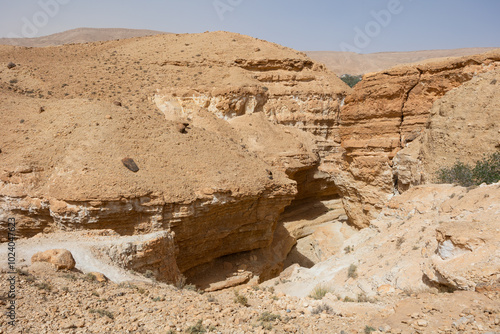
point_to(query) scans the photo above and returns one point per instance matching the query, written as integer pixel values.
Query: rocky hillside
(197, 117)
(248, 172)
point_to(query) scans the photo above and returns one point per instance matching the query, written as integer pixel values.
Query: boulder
(60, 258)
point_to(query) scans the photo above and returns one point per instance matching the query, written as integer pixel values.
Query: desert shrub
(351, 80)
(459, 173)
(242, 300)
(369, 329)
(149, 274)
(486, 171)
(319, 292)
(102, 313)
(44, 286)
(322, 308)
(266, 319)
(198, 328)
(352, 272)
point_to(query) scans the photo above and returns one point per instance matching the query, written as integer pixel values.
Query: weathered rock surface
(219, 187)
(431, 236)
(60, 258)
(463, 125)
(386, 111)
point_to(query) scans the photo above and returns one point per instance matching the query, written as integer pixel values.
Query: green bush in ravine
(486, 171)
(351, 80)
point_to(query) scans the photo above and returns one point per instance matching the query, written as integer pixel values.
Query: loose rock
(60, 258)
(130, 164)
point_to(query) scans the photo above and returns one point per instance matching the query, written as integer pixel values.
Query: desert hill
(79, 35)
(217, 182)
(338, 62)
(357, 64)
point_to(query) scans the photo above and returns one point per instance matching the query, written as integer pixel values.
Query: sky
(363, 26)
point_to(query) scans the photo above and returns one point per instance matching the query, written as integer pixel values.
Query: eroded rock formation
(218, 186)
(386, 111)
(430, 237)
(463, 125)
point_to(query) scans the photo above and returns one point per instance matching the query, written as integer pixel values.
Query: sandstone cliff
(386, 111)
(463, 125)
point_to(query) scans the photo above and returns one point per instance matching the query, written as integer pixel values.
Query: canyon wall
(387, 111)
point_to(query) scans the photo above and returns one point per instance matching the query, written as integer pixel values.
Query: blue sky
(363, 26)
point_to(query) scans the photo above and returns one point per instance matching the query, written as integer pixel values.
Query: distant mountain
(354, 63)
(80, 35)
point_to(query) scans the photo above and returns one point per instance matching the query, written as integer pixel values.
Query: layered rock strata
(218, 184)
(386, 111)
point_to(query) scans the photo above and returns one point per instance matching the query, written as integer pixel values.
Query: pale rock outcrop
(431, 236)
(155, 253)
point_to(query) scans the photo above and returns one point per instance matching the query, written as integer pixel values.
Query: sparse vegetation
(239, 299)
(266, 319)
(319, 292)
(27, 276)
(198, 328)
(149, 274)
(44, 286)
(348, 249)
(322, 308)
(400, 242)
(369, 329)
(486, 171)
(103, 313)
(90, 278)
(351, 80)
(352, 272)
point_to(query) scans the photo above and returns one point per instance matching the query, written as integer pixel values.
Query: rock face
(60, 258)
(219, 186)
(431, 236)
(463, 125)
(155, 253)
(387, 111)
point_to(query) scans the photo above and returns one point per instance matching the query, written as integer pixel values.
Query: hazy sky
(364, 26)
